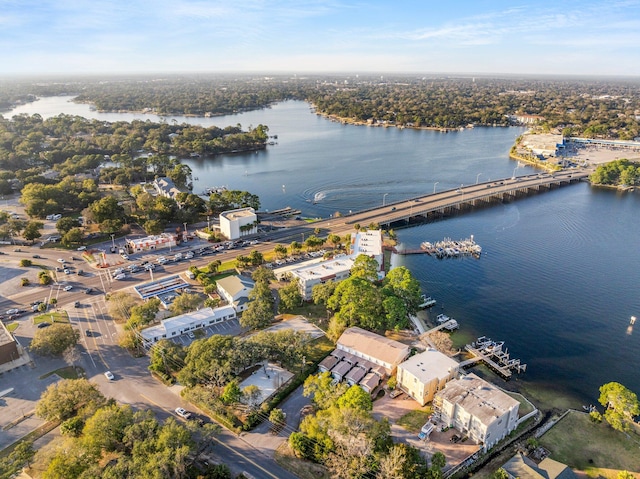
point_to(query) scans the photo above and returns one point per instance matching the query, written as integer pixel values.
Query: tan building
(477, 409)
(374, 348)
(424, 374)
(520, 466)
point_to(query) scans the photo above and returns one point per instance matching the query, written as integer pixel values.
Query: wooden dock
(493, 355)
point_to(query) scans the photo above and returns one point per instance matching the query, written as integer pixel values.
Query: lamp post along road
(434, 187)
(383, 198)
(478, 177)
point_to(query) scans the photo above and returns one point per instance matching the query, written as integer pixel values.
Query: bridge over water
(450, 202)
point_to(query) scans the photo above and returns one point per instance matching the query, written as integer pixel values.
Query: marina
(495, 355)
(427, 302)
(448, 248)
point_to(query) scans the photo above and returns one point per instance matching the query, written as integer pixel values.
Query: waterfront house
(521, 467)
(424, 374)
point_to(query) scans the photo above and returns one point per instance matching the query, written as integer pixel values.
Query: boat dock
(448, 248)
(495, 355)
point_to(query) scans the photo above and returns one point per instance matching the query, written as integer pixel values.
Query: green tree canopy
(621, 405)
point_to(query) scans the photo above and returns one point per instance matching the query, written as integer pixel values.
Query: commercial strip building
(177, 325)
(477, 409)
(151, 243)
(424, 374)
(238, 222)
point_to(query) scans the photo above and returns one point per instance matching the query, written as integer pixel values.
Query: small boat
(442, 318)
(427, 302)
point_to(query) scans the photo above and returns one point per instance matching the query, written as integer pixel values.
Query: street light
(113, 240)
(514, 173)
(208, 224)
(434, 187)
(478, 177)
(383, 198)
(184, 234)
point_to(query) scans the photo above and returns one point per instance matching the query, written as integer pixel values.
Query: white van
(190, 274)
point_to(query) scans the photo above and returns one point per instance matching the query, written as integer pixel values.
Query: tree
(65, 224)
(185, 303)
(262, 274)
(322, 391)
(105, 429)
(55, 339)
(69, 397)
(44, 278)
(32, 230)
(365, 267)
(231, 393)
(356, 398)
(120, 305)
(252, 395)
(73, 236)
(403, 462)
(209, 362)
(403, 285)
(321, 292)
(621, 405)
(278, 418)
(290, 297)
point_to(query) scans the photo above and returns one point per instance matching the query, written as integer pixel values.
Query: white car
(120, 276)
(66, 271)
(125, 256)
(67, 288)
(183, 413)
(12, 311)
(109, 375)
(82, 248)
(60, 260)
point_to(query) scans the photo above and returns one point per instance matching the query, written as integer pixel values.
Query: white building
(478, 409)
(424, 374)
(313, 272)
(335, 269)
(177, 325)
(374, 348)
(235, 291)
(150, 243)
(237, 223)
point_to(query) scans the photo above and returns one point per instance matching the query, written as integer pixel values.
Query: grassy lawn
(525, 406)
(593, 448)
(54, 316)
(12, 327)
(319, 348)
(316, 313)
(68, 372)
(302, 469)
(414, 420)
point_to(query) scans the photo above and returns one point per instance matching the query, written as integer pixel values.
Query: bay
(558, 277)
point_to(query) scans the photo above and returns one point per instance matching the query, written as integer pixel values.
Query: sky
(550, 37)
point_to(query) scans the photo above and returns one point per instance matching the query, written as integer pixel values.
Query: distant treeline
(593, 108)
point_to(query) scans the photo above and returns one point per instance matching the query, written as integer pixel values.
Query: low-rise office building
(177, 325)
(151, 243)
(235, 291)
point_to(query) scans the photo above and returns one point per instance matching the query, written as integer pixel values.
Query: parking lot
(227, 328)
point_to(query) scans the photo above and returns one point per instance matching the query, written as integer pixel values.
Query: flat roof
(326, 269)
(367, 242)
(429, 364)
(160, 286)
(184, 320)
(239, 213)
(478, 397)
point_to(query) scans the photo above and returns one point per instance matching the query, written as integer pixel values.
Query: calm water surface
(559, 273)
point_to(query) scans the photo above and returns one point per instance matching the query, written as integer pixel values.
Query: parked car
(68, 288)
(395, 393)
(60, 260)
(183, 413)
(191, 335)
(36, 256)
(109, 375)
(76, 304)
(43, 325)
(82, 248)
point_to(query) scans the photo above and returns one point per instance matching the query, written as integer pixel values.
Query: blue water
(558, 277)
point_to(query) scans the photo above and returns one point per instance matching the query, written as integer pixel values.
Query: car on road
(43, 325)
(183, 413)
(87, 333)
(120, 276)
(88, 290)
(81, 248)
(109, 375)
(12, 311)
(60, 260)
(36, 256)
(76, 304)
(68, 288)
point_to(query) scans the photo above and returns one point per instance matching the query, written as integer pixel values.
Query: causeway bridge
(434, 206)
(466, 198)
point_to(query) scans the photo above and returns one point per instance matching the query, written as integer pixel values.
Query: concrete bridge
(450, 202)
